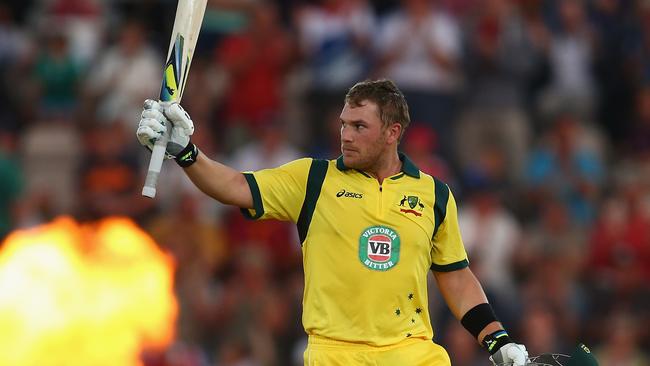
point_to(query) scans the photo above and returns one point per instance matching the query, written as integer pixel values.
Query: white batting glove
(153, 122)
(510, 354)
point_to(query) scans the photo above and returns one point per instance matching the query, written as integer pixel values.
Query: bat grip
(155, 164)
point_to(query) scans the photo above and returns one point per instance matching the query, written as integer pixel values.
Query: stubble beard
(371, 159)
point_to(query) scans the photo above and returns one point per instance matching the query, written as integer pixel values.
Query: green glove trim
(494, 341)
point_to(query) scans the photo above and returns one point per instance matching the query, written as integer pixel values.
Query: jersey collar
(408, 167)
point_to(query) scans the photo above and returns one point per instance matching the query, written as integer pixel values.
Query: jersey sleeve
(447, 252)
(278, 193)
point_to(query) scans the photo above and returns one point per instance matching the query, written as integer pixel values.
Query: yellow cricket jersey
(367, 248)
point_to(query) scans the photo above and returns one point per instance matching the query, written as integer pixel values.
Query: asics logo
(344, 193)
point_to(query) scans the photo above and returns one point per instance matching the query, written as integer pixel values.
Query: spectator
(419, 47)
(14, 42)
(109, 177)
(568, 167)
(11, 183)
(620, 241)
(616, 38)
(252, 310)
(15, 47)
(56, 77)
(553, 234)
(621, 345)
(571, 54)
(200, 250)
(554, 302)
(256, 62)
(422, 146)
(541, 330)
(82, 23)
(637, 141)
(269, 148)
(463, 349)
(641, 60)
(124, 75)
(334, 41)
(334, 36)
(505, 52)
(491, 235)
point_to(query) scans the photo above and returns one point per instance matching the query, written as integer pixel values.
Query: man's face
(364, 139)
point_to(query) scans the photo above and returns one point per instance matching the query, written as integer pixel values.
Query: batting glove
(153, 123)
(510, 354)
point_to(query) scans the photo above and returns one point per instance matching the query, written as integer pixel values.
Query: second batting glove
(511, 354)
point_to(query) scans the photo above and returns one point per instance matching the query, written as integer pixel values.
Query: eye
(359, 126)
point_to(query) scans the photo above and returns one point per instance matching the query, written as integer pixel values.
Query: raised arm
(218, 181)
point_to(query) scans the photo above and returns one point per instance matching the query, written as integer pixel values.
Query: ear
(393, 132)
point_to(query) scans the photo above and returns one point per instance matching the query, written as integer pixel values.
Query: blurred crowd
(536, 112)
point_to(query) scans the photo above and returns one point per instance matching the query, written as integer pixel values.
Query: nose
(346, 135)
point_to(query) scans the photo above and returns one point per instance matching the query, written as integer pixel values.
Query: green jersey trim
(440, 205)
(315, 179)
(450, 267)
(257, 198)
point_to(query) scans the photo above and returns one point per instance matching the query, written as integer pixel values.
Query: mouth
(347, 150)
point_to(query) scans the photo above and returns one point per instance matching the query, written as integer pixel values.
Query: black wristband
(477, 318)
(494, 341)
(187, 156)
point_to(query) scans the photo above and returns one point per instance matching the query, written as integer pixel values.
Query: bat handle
(155, 164)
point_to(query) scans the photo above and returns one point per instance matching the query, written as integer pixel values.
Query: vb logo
(379, 248)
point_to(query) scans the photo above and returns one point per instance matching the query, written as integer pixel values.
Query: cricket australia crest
(379, 248)
(414, 203)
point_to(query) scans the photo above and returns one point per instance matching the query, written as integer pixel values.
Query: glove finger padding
(179, 118)
(146, 135)
(155, 115)
(152, 104)
(154, 124)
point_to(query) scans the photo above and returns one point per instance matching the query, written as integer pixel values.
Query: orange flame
(78, 295)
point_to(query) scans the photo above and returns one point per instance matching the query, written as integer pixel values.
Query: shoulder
(298, 164)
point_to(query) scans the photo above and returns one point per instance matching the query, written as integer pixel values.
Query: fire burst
(78, 295)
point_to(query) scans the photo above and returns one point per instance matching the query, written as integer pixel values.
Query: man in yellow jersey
(371, 225)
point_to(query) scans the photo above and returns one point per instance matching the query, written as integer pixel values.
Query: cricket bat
(187, 24)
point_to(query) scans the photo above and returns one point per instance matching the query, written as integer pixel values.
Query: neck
(387, 166)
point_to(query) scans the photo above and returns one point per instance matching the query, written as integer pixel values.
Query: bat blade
(187, 24)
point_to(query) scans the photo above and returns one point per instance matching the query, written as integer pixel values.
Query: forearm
(466, 299)
(462, 292)
(220, 182)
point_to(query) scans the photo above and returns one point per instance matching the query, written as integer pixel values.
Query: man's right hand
(153, 122)
(511, 354)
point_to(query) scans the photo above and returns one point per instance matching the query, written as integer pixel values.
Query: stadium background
(536, 112)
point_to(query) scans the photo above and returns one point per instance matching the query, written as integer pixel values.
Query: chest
(365, 211)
